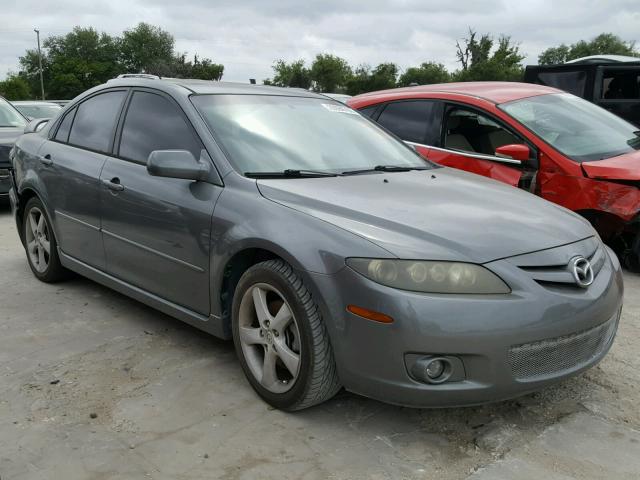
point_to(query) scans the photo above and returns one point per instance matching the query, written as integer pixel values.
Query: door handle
(113, 184)
(46, 159)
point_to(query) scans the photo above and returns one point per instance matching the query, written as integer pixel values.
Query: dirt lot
(96, 386)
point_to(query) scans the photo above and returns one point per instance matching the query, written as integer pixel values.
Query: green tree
(73, 63)
(15, 88)
(179, 67)
(603, 44)
(145, 47)
(294, 74)
(427, 73)
(481, 59)
(329, 73)
(364, 79)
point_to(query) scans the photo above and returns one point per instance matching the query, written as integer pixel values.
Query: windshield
(9, 116)
(263, 133)
(579, 129)
(39, 111)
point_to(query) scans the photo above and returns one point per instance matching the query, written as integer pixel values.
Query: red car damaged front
(553, 144)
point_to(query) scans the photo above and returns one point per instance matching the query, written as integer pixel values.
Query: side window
(62, 135)
(368, 111)
(413, 120)
(572, 82)
(95, 121)
(621, 85)
(155, 123)
(469, 131)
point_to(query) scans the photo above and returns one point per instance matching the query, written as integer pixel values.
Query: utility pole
(40, 62)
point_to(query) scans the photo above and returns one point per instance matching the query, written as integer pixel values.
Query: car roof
(208, 86)
(604, 59)
(495, 92)
(35, 102)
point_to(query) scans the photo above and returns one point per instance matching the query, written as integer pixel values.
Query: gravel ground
(94, 385)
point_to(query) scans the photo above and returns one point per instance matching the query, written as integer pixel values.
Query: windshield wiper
(290, 173)
(385, 168)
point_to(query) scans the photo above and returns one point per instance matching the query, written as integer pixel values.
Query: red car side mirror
(516, 151)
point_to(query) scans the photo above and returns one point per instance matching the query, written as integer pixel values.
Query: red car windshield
(578, 129)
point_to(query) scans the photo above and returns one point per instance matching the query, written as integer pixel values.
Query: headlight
(430, 276)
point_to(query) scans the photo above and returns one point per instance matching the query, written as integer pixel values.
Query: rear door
(157, 230)
(71, 162)
(469, 140)
(618, 90)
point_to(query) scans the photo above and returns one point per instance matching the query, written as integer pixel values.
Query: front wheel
(280, 339)
(40, 243)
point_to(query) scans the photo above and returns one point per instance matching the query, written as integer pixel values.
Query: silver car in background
(330, 252)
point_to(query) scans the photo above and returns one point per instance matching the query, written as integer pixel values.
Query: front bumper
(481, 331)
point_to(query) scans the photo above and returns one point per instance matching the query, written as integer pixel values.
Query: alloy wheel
(269, 338)
(38, 239)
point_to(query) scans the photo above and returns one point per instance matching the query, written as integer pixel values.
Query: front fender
(243, 219)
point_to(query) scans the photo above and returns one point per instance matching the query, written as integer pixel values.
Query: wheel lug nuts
(266, 323)
(275, 333)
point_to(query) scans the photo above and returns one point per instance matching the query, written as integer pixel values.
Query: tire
(281, 381)
(38, 233)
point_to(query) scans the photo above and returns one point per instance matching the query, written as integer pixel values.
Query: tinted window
(62, 135)
(368, 111)
(572, 82)
(411, 120)
(155, 123)
(621, 85)
(95, 121)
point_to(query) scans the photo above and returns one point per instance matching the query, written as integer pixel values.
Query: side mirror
(35, 125)
(515, 151)
(177, 164)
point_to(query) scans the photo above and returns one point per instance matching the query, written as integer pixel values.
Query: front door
(469, 142)
(71, 164)
(156, 230)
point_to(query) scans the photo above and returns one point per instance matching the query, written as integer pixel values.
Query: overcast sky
(248, 35)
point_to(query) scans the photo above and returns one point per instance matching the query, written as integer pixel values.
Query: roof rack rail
(139, 75)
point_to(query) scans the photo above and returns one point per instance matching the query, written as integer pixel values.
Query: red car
(551, 143)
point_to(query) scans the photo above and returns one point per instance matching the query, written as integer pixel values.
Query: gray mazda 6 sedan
(330, 252)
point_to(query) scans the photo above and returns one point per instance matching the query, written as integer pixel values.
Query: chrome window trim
(468, 154)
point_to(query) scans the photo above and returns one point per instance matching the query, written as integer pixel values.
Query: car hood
(440, 214)
(622, 167)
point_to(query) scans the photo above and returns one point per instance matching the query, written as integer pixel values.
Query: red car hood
(622, 167)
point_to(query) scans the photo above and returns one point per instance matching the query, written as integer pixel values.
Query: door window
(572, 82)
(621, 85)
(368, 111)
(155, 123)
(95, 121)
(469, 131)
(415, 121)
(62, 135)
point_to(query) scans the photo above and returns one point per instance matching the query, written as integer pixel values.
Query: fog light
(434, 369)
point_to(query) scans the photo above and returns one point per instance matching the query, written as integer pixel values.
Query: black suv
(608, 81)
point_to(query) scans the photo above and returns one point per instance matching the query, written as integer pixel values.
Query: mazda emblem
(582, 271)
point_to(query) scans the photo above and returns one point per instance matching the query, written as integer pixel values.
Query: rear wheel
(280, 338)
(40, 243)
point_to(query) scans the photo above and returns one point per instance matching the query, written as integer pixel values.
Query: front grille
(554, 356)
(559, 274)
